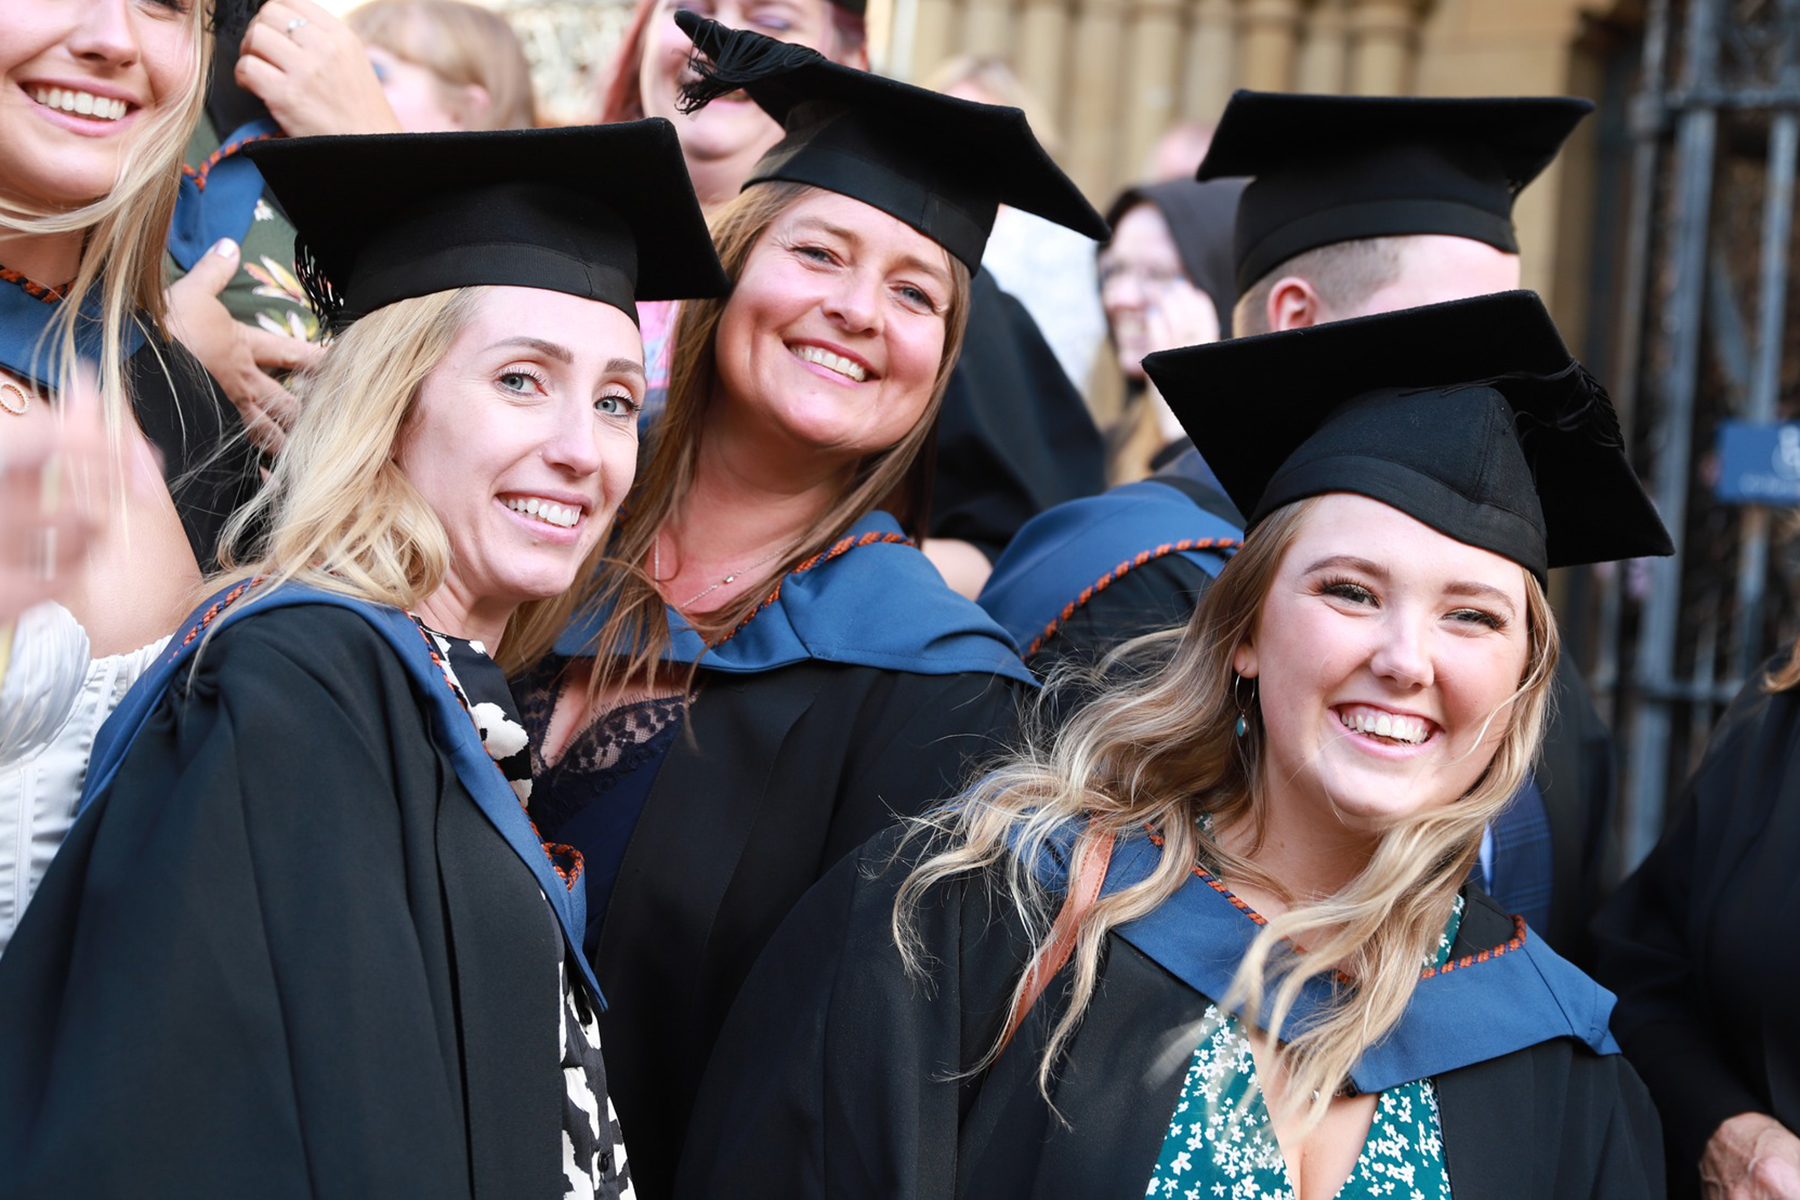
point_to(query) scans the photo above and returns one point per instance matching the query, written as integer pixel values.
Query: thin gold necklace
(656, 574)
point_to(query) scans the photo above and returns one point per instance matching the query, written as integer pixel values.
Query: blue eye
(518, 381)
(381, 72)
(1348, 591)
(613, 405)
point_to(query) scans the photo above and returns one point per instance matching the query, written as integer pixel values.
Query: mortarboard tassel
(323, 299)
(725, 62)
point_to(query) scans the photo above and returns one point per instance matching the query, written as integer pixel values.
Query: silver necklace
(657, 575)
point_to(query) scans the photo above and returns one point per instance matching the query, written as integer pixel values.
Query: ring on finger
(296, 23)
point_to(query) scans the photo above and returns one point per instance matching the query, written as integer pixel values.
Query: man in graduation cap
(1358, 205)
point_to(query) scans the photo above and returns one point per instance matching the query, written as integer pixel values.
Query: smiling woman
(768, 670)
(1214, 935)
(303, 877)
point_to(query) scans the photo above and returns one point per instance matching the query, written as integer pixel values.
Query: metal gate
(1702, 335)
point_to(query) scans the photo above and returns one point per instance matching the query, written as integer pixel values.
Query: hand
(235, 354)
(312, 72)
(1751, 1157)
(1182, 315)
(55, 495)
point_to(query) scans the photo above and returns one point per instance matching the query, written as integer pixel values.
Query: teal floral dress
(1221, 1144)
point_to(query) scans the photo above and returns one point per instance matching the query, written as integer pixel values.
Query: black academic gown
(789, 762)
(285, 954)
(1696, 943)
(840, 1075)
(1014, 436)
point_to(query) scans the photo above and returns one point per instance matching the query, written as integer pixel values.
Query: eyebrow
(1350, 562)
(614, 366)
(935, 270)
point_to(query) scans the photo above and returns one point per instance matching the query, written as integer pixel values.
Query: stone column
(1325, 49)
(1093, 81)
(1383, 34)
(1269, 33)
(1041, 56)
(934, 36)
(1154, 68)
(987, 25)
(1211, 60)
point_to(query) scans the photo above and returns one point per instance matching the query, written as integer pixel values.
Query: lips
(836, 363)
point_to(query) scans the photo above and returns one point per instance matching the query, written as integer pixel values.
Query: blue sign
(1759, 464)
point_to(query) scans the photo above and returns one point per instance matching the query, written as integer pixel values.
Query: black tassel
(725, 60)
(1585, 408)
(321, 297)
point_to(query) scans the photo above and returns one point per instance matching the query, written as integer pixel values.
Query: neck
(47, 258)
(718, 180)
(471, 618)
(737, 510)
(1313, 860)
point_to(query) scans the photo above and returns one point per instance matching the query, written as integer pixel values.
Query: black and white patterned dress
(593, 1148)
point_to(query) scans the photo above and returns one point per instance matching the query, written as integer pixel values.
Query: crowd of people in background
(766, 646)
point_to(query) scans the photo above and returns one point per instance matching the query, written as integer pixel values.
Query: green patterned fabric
(264, 292)
(1221, 1144)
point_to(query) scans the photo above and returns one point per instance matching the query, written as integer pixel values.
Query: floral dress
(1221, 1144)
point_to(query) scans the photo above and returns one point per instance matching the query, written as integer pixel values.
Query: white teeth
(567, 516)
(1410, 730)
(84, 104)
(848, 368)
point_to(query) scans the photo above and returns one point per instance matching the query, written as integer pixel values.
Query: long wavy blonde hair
(1159, 749)
(338, 513)
(125, 234)
(636, 634)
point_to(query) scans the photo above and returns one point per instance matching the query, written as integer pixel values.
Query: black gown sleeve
(234, 979)
(1705, 1006)
(1014, 436)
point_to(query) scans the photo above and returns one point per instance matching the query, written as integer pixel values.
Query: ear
(1294, 304)
(859, 59)
(1243, 659)
(474, 105)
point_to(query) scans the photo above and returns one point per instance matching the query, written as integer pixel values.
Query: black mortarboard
(606, 212)
(1332, 168)
(941, 165)
(1471, 417)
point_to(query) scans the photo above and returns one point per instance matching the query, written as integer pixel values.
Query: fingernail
(226, 248)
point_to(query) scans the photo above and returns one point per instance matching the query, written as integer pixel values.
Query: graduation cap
(1333, 168)
(939, 164)
(605, 212)
(1471, 417)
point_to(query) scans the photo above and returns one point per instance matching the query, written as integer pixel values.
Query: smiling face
(1385, 659)
(831, 343)
(83, 80)
(523, 441)
(1138, 265)
(732, 127)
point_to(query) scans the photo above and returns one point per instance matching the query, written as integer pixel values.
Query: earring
(1243, 722)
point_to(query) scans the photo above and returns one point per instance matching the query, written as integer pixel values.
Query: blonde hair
(125, 235)
(464, 45)
(1345, 274)
(636, 633)
(1160, 749)
(995, 78)
(339, 513)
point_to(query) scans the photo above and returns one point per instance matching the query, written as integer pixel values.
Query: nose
(1403, 656)
(854, 304)
(104, 33)
(574, 444)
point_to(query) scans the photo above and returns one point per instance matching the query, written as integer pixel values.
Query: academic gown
(286, 949)
(1014, 436)
(1085, 577)
(1695, 941)
(863, 693)
(847, 1077)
